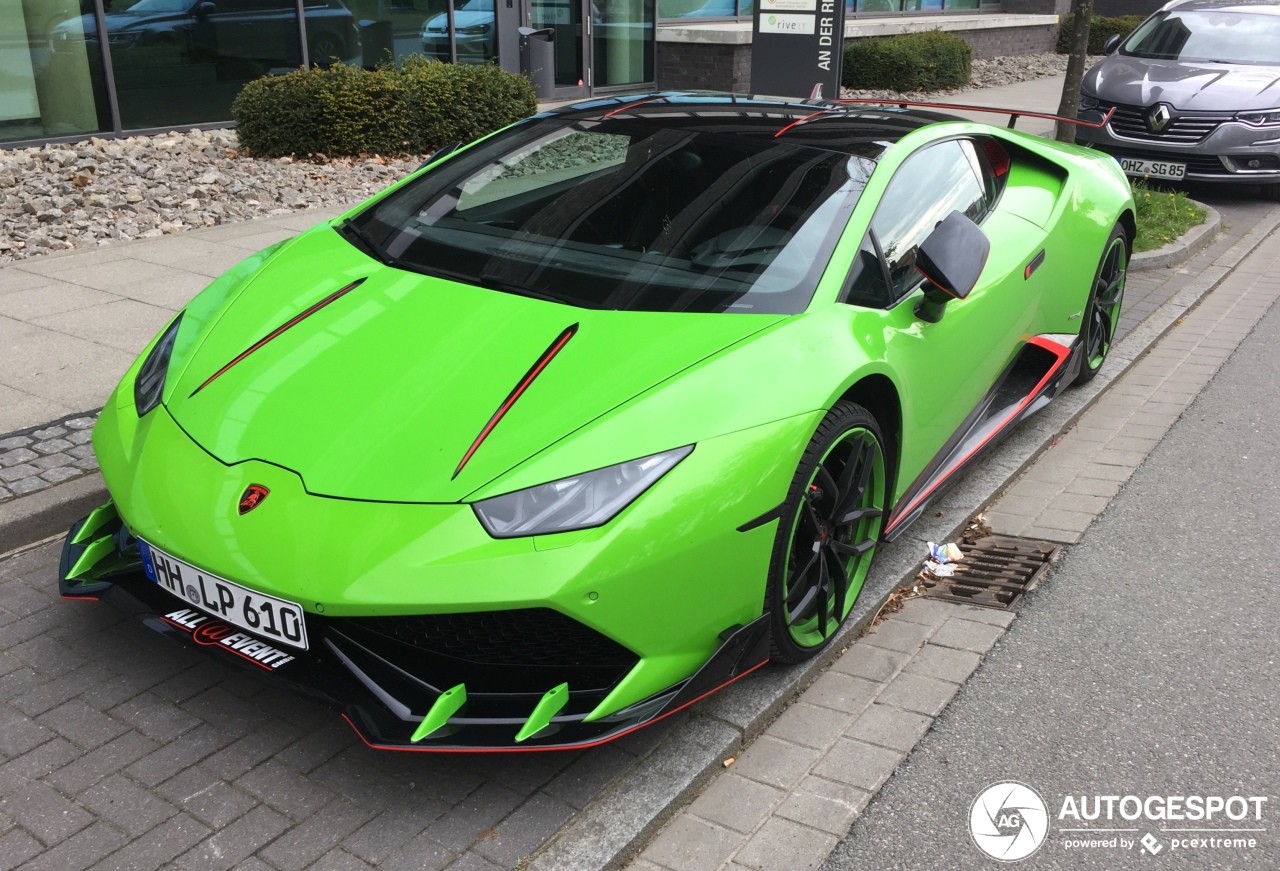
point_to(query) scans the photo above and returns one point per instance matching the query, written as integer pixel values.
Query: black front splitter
(338, 673)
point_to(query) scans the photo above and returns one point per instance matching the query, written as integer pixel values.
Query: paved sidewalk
(70, 324)
(787, 800)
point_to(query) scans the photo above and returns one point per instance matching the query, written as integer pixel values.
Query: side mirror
(205, 9)
(951, 258)
(1112, 43)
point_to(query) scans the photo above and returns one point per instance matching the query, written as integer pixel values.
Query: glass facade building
(742, 9)
(70, 68)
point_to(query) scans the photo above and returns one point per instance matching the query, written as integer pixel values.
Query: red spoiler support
(1014, 114)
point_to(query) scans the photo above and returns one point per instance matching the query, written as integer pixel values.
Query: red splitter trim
(292, 322)
(1062, 353)
(547, 356)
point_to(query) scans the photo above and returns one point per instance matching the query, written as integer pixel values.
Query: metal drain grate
(995, 572)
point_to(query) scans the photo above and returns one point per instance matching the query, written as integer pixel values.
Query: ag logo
(1008, 821)
(252, 497)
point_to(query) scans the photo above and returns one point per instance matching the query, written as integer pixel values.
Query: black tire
(1102, 311)
(830, 524)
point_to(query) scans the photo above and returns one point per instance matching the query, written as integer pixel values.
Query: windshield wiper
(372, 248)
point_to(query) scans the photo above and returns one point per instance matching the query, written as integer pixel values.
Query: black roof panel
(855, 129)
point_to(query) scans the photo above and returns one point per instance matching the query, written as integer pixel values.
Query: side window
(930, 184)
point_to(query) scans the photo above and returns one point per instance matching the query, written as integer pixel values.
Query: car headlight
(1088, 103)
(148, 387)
(474, 28)
(1266, 118)
(581, 502)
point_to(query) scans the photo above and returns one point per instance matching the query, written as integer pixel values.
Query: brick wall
(705, 66)
(1011, 41)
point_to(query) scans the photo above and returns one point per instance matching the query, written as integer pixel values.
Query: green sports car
(598, 414)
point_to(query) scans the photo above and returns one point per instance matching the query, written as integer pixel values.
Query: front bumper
(1214, 146)
(388, 685)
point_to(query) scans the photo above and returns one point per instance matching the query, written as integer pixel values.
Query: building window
(51, 81)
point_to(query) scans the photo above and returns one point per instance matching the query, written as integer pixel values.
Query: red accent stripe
(801, 121)
(79, 598)
(294, 321)
(547, 355)
(585, 746)
(630, 106)
(1014, 113)
(1052, 347)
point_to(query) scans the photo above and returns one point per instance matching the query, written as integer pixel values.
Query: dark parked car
(1194, 94)
(474, 33)
(260, 30)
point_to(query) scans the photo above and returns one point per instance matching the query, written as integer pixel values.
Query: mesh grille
(526, 637)
(1184, 129)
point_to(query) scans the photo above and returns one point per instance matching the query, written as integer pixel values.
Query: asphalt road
(1145, 665)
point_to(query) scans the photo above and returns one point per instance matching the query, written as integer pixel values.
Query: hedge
(1101, 28)
(926, 61)
(347, 110)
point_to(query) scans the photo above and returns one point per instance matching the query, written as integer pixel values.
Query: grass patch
(1163, 216)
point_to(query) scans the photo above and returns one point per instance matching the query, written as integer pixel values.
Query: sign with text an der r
(796, 46)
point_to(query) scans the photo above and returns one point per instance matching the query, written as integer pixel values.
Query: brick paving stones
(122, 750)
(37, 459)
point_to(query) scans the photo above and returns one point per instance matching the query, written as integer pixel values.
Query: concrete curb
(39, 515)
(621, 820)
(1182, 249)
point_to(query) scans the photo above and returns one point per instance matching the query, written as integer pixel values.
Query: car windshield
(1208, 35)
(625, 215)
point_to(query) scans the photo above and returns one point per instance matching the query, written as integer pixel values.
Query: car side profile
(594, 416)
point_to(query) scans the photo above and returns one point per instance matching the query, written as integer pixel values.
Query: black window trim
(987, 197)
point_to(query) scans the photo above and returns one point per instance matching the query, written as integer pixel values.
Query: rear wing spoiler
(1014, 114)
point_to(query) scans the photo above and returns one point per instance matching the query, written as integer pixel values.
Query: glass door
(571, 25)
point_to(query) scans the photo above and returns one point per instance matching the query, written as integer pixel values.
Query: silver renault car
(1196, 92)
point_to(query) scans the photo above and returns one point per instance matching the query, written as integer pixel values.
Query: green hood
(381, 393)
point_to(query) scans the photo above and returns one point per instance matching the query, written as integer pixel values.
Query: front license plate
(263, 615)
(1152, 168)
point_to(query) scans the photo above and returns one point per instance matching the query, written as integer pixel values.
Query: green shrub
(1101, 28)
(346, 110)
(461, 102)
(924, 61)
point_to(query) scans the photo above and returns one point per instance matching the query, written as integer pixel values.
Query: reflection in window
(476, 34)
(929, 185)
(184, 61)
(1208, 34)
(50, 74)
(623, 42)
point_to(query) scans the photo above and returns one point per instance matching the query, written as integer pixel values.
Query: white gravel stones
(99, 191)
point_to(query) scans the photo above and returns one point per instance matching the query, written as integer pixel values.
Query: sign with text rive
(796, 46)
